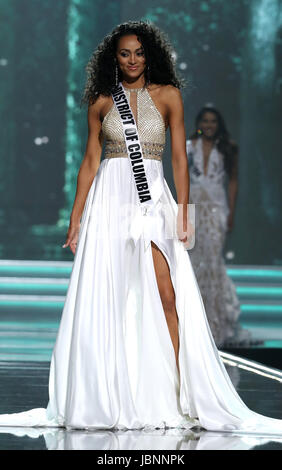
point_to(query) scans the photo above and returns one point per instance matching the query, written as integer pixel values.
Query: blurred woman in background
(213, 161)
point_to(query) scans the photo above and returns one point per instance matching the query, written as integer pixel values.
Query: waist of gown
(115, 149)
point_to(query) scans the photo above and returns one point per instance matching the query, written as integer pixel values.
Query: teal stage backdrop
(230, 53)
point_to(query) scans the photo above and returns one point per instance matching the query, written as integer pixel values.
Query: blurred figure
(213, 162)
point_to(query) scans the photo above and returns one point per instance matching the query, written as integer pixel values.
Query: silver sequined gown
(113, 365)
(207, 192)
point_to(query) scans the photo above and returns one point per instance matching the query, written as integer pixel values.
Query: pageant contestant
(213, 164)
(134, 348)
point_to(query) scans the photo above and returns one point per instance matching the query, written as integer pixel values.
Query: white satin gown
(113, 365)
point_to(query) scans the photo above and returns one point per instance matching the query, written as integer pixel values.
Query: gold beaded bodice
(149, 121)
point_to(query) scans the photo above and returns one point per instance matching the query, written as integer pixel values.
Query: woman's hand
(185, 230)
(72, 236)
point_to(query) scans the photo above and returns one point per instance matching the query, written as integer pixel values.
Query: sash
(133, 146)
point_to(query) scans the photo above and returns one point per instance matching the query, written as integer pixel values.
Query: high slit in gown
(113, 365)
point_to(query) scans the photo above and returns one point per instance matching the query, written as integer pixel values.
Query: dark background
(230, 52)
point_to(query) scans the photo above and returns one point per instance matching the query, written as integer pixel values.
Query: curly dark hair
(224, 144)
(158, 54)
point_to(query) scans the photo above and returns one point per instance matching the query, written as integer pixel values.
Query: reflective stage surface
(24, 385)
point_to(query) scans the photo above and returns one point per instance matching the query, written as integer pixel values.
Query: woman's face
(131, 57)
(209, 125)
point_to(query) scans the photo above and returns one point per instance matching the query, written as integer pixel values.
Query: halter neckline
(133, 89)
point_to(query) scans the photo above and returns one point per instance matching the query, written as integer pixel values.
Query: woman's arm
(178, 145)
(90, 162)
(87, 172)
(179, 156)
(232, 191)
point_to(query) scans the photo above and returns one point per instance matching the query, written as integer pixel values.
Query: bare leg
(167, 295)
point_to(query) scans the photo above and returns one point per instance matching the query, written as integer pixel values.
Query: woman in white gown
(213, 163)
(119, 361)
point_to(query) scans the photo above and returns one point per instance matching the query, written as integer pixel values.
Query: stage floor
(24, 385)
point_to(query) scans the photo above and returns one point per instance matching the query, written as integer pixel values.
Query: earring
(148, 73)
(116, 75)
(199, 131)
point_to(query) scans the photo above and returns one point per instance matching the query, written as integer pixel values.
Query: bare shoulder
(165, 92)
(191, 141)
(171, 91)
(100, 106)
(99, 103)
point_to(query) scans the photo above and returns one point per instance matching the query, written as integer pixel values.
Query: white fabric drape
(113, 364)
